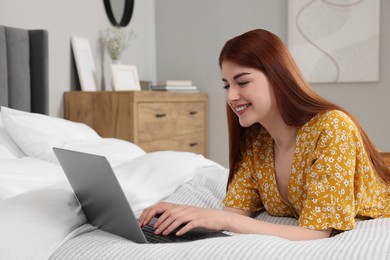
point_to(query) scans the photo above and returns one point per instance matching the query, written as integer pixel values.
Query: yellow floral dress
(332, 181)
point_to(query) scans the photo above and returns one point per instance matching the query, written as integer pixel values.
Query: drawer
(191, 143)
(191, 117)
(155, 121)
(165, 120)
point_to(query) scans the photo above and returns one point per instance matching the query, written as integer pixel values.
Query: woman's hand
(173, 216)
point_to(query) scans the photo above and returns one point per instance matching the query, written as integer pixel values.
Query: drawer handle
(193, 113)
(161, 115)
(193, 144)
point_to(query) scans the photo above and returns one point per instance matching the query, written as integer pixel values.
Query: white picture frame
(85, 63)
(125, 77)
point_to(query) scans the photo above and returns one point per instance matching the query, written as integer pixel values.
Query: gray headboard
(24, 65)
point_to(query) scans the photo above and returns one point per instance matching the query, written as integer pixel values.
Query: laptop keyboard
(171, 238)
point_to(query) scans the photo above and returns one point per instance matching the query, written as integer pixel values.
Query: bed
(41, 219)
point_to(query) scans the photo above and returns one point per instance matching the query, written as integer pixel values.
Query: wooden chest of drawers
(153, 120)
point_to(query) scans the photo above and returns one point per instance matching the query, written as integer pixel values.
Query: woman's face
(249, 94)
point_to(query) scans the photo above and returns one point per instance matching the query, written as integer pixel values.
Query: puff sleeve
(243, 191)
(329, 184)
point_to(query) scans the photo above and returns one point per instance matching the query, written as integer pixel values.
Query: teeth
(240, 108)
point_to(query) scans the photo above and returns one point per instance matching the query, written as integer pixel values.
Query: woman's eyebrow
(237, 76)
(240, 75)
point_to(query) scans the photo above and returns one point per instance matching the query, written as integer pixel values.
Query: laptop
(104, 202)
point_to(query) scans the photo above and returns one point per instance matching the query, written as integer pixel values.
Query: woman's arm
(240, 223)
(234, 220)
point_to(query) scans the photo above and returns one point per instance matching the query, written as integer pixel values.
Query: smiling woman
(292, 153)
(119, 12)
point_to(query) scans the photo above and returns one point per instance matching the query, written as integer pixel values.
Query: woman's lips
(240, 109)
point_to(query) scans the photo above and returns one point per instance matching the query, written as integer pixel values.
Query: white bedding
(8, 148)
(26, 174)
(34, 224)
(37, 134)
(38, 211)
(151, 177)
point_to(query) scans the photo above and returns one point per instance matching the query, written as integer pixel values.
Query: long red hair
(297, 101)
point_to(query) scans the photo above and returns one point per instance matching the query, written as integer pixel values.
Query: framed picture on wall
(335, 41)
(125, 77)
(85, 63)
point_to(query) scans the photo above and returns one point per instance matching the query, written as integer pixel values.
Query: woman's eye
(242, 83)
(226, 87)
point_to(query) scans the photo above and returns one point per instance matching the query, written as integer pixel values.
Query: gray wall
(190, 35)
(182, 39)
(84, 18)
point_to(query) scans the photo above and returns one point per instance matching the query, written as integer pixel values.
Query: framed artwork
(125, 77)
(335, 41)
(85, 63)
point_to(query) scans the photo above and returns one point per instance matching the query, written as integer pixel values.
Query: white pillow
(115, 150)
(8, 148)
(152, 177)
(37, 134)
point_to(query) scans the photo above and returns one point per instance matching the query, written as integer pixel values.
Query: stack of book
(175, 86)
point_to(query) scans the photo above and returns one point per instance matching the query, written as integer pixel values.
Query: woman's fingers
(167, 218)
(144, 219)
(150, 212)
(186, 228)
(173, 218)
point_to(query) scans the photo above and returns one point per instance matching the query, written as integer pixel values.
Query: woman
(292, 153)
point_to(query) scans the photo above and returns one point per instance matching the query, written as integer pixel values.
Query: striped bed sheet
(370, 239)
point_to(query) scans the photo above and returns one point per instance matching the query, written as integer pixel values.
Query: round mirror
(119, 12)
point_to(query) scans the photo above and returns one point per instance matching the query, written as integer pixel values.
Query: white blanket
(25, 174)
(34, 224)
(39, 212)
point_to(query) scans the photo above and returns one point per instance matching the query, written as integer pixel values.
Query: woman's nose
(232, 94)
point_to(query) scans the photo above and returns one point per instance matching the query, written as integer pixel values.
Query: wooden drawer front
(164, 120)
(156, 121)
(191, 143)
(190, 117)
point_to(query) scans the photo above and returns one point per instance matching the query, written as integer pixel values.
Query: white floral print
(332, 181)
